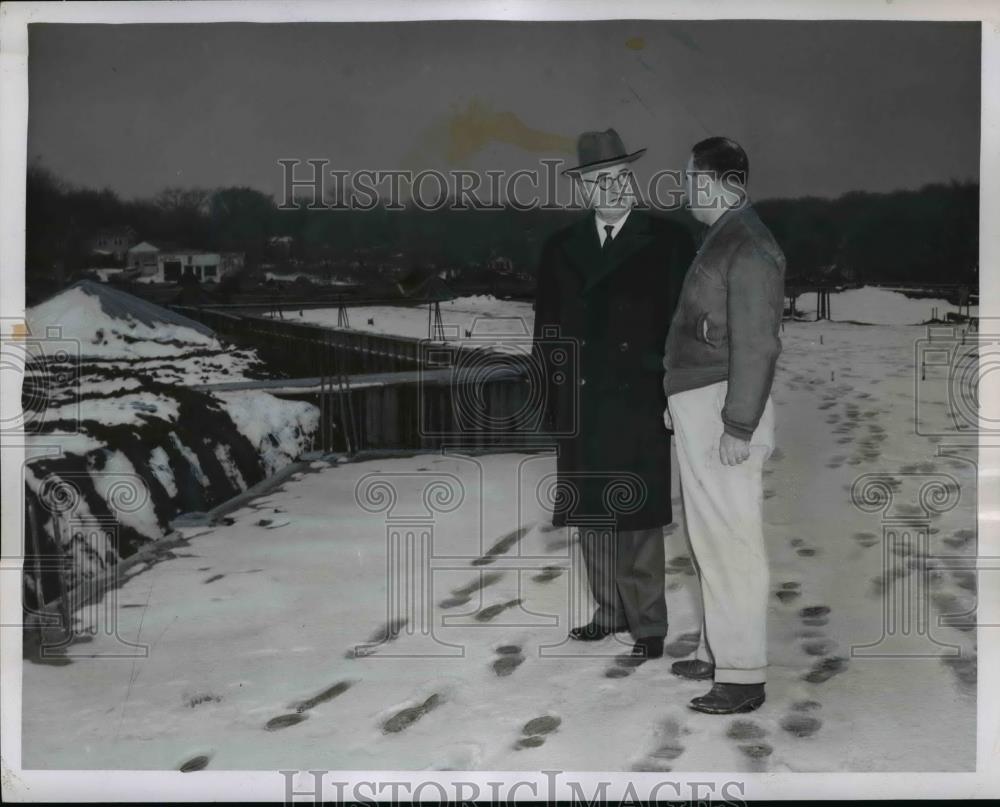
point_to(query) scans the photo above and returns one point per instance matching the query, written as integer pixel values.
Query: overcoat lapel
(584, 248)
(633, 236)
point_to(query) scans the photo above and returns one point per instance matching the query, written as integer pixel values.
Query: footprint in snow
(547, 574)
(825, 669)
(814, 616)
(756, 751)
(801, 725)
(624, 665)
(214, 577)
(789, 592)
(196, 700)
(745, 730)
(481, 582)
(327, 694)
(453, 602)
(387, 633)
(284, 721)
(818, 647)
(510, 658)
(502, 546)
(965, 580)
(198, 763)
(534, 731)
(806, 706)
(407, 717)
(883, 581)
(750, 736)
(669, 748)
(491, 612)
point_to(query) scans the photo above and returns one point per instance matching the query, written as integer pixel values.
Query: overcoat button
(623, 347)
(583, 381)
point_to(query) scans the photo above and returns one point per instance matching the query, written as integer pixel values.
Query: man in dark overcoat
(607, 286)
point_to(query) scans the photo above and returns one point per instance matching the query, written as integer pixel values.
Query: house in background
(169, 263)
(142, 259)
(112, 243)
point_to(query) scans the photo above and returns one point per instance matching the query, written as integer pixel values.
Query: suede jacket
(725, 326)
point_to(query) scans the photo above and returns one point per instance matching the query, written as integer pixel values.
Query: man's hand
(733, 450)
(667, 420)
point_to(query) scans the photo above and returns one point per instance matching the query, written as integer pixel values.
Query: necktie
(607, 237)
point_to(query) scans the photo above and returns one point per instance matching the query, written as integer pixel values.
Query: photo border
(41, 785)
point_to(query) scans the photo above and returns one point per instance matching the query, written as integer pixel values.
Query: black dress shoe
(694, 669)
(729, 699)
(592, 632)
(648, 647)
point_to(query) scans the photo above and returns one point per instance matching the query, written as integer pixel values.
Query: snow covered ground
(253, 629)
(482, 315)
(876, 306)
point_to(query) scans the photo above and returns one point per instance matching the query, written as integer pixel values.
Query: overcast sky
(822, 108)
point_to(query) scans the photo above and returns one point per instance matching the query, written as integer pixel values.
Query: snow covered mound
(876, 306)
(110, 323)
(119, 406)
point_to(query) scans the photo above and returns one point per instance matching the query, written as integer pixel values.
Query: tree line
(925, 235)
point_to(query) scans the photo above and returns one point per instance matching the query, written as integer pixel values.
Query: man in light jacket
(719, 360)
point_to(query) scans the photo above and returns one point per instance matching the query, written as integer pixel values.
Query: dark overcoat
(601, 319)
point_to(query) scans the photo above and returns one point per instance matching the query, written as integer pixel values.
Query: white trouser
(724, 514)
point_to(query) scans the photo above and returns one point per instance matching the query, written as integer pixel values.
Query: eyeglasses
(606, 182)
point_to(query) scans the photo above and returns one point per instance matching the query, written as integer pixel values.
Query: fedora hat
(601, 149)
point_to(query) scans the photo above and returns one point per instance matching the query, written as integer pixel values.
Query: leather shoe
(648, 647)
(728, 699)
(695, 669)
(592, 632)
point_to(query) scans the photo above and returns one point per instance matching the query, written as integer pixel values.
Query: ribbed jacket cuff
(737, 431)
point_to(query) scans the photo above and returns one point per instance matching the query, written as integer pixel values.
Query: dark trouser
(626, 572)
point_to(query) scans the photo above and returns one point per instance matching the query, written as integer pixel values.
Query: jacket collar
(585, 248)
(727, 218)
